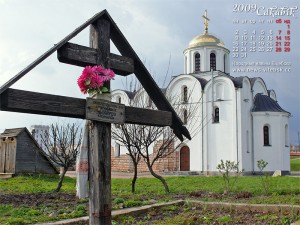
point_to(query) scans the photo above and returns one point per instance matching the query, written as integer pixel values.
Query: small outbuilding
(20, 154)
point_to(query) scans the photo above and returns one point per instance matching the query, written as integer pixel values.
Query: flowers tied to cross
(93, 78)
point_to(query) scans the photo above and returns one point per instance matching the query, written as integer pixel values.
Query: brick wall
(123, 163)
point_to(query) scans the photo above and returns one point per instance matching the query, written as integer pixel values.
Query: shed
(20, 153)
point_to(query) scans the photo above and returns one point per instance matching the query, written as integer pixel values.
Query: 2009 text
(273, 11)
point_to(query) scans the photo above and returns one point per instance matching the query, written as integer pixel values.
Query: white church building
(237, 118)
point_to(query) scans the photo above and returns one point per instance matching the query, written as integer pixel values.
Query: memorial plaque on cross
(100, 113)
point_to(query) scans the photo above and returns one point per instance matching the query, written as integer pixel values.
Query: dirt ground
(186, 214)
(198, 214)
(31, 200)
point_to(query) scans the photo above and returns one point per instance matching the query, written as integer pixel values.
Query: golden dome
(205, 40)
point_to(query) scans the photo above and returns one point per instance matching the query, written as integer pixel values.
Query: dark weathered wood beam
(45, 104)
(79, 55)
(149, 117)
(100, 139)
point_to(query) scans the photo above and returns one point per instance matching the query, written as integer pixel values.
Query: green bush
(133, 203)
(265, 179)
(230, 172)
(118, 200)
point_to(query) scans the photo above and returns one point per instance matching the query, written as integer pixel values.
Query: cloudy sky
(158, 30)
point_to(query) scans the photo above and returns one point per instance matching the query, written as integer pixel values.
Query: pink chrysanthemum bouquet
(92, 79)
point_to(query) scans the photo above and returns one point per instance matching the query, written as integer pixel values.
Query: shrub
(265, 178)
(118, 200)
(226, 169)
(133, 203)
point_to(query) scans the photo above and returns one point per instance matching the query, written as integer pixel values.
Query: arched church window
(184, 94)
(119, 100)
(213, 65)
(217, 115)
(197, 62)
(266, 131)
(185, 116)
(286, 138)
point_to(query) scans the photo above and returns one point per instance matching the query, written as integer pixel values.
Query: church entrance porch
(185, 158)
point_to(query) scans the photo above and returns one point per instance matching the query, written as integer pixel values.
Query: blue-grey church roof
(202, 81)
(263, 103)
(130, 94)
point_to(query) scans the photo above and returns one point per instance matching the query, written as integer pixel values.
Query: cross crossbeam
(14, 100)
(85, 56)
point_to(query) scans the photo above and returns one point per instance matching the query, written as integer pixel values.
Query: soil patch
(189, 213)
(32, 200)
(194, 213)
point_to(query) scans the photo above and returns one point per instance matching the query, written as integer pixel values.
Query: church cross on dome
(206, 19)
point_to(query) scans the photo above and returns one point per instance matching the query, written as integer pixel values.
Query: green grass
(178, 185)
(27, 215)
(35, 184)
(284, 190)
(187, 184)
(295, 163)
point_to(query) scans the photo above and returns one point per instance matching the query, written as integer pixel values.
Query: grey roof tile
(263, 103)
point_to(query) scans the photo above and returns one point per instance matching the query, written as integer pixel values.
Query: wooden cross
(102, 30)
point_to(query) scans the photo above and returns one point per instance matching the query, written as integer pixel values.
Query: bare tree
(140, 139)
(143, 140)
(146, 136)
(122, 134)
(62, 145)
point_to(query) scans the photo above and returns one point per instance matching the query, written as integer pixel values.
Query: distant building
(40, 132)
(295, 148)
(20, 153)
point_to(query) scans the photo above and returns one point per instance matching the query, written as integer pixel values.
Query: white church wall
(239, 129)
(119, 148)
(141, 99)
(277, 154)
(286, 152)
(219, 60)
(189, 59)
(174, 91)
(219, 52)
(217, 145)
(245, 103)
(227, 62)
(259, 87)
(118, 95)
